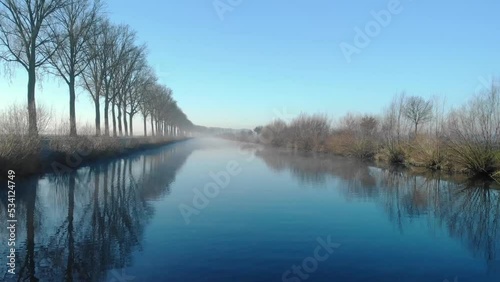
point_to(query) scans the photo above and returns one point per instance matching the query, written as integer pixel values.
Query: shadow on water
(468, 210)
(78, 226)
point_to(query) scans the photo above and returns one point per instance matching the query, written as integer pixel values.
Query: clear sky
(265, 58)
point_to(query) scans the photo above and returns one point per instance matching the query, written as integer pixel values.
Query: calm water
(210, 210)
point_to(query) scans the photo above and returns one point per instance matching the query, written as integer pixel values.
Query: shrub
(357, 136)
(392, 153)
(426, 151)
(14, 120)
(19, 153)
(274, 133)
(474, 133)
(308, 133)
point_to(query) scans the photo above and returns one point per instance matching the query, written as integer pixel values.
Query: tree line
(412, 130)
(75, 41)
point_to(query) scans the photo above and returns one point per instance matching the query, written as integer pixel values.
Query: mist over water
(121, 220)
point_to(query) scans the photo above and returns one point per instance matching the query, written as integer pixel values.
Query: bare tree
(129, 75)
(118, 74)
(109, 57)
(162, 108)
(26, 32)
(73, 55)
(143, 79)
(148, 98)
(394, 124)
(93, 77)
(368, 126)
(474, 132)
(418, 111)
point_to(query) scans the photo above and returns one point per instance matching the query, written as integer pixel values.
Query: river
(216, 210)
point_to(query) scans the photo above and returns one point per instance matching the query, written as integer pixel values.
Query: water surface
(212, 210)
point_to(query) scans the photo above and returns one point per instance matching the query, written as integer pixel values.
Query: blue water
(213, 210)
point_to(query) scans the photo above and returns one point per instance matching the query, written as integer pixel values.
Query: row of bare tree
(75, 41)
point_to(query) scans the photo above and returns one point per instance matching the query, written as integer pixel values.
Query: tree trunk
(131, 118)
(97, 117)
(32, 127)
(125, 125)
(106, 112)
(72, 110)
(145, 129)
(119, 117)
(152, 128)
(113, 113)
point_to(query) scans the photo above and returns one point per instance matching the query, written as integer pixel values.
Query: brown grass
(35, 155)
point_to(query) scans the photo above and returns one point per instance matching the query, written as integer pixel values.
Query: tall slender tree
(124, 38)
(94, 76)
(76, 21)
(143, 79)
(27, 35)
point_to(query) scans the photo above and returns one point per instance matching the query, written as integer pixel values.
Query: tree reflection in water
(80, 225)
(470, 211)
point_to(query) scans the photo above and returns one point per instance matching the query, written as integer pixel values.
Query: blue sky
(266, 57)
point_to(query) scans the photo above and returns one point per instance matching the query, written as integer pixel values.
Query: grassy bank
(33, 155)
(411, 131)
(422, 153)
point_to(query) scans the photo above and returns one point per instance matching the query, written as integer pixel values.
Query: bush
(308, 133)
(14, 120)
(426, 151)
(392, 153)
(19, 153)
(274, 133)
(357, 136)
(474, 134)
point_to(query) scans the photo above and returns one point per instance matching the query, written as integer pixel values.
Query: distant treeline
(411, 131)
(75, 41)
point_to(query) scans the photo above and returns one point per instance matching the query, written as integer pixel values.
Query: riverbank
(35, 155)
(422, 153)
(410, 167)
